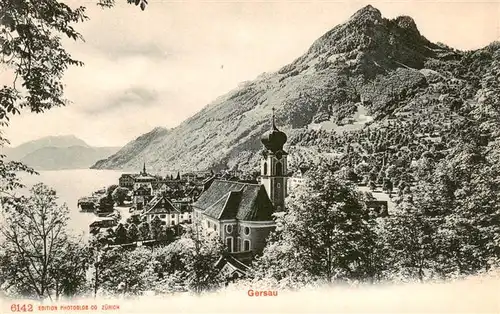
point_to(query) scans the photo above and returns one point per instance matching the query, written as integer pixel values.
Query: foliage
(119, 195)
(144, 231)
(110, 189)
(121, 234)
(133, 233)
(188, 263)
(201, 253)
(39, 258)
(156, 228)
(126, 272)
(324, 235)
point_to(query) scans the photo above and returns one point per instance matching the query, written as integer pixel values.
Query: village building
(231, 268)
(297, 178)
(141, 196)
(144, 179)
(127, 180)
(102, 222)
(143, 190)
(242, 213)
(161, 207)
(188, 177)
(378, 207)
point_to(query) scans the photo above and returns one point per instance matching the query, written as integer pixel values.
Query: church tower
(273, 166)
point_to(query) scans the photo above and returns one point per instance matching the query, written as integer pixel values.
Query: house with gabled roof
(160, 206)
(232, 269)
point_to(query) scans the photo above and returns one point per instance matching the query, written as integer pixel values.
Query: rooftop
(236, 200)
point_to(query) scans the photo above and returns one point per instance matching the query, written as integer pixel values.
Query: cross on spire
(273, 123)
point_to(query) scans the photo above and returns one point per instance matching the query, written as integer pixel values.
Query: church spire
(274, 139)
(144, 169)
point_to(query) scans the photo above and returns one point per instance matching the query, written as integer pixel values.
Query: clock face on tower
(277, 190)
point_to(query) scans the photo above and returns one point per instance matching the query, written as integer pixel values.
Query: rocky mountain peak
(366, 14)
(407, 23)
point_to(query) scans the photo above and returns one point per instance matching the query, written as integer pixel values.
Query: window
(278, 185)
(173, 216)
(265, 168)
(162, 216)
(163, 223)
(247, 231)
(229, 228)
(246, 245)
(229, 244)
(279, 169)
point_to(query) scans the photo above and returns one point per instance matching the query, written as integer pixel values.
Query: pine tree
(121, 234)
(133, 233)
(156, 228)
(144, 231)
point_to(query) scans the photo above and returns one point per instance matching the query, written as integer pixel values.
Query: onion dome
(274, 139)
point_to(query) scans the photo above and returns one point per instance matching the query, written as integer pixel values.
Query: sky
(160, 66)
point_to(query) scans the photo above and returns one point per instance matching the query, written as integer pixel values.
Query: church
(242, 213)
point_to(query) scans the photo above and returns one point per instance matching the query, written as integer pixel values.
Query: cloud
(150, 51)
(132, 98)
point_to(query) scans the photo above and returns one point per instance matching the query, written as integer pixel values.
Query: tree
(126, 272)
(372, 185)
(40, 258)
(133, 219)
(144, 231)
(387, 185)
(164, 234)
(156, 228)
(119, 195)
(110, 189)
(409, 235)
(121, 234)
(200, 253)
(133, 233)
(70, 269)
(105, 204)
(324, 235)
(392, 172)
(463, 192)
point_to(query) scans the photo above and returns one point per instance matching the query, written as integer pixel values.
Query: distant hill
(18, 152)
(366, 86)
(57, 152)
(127, 155)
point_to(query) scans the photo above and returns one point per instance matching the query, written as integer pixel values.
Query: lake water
(70, 185)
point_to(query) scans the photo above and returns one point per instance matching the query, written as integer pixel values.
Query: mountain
(368, 85)
(73, 157)
(127, 155)
(18, 152)
(57, 152)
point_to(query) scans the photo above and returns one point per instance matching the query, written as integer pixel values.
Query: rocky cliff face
(363, 72)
